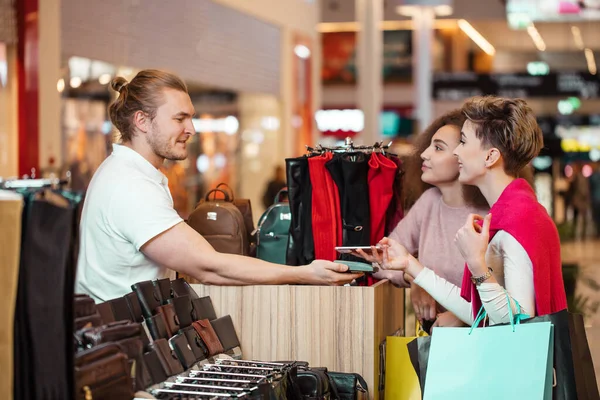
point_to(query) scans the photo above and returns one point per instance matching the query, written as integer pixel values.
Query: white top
(127, 203)
(513, 270)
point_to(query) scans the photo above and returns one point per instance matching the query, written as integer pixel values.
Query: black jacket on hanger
(350, 173)
(301, 247)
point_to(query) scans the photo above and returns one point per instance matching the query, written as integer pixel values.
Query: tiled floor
(587, 255)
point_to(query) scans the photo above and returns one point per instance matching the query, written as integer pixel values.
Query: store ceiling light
(302, 51)
(475, 36)
(536, 37)
(329, 27)
(591, 61)
(75, 82)
(60, 85)
(104, 79)
(577, 37)
(443, 10)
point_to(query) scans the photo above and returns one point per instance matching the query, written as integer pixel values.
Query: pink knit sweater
(427, 231)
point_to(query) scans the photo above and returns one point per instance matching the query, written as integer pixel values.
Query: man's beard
(161, 146)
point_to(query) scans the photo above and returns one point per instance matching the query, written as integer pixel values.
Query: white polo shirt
(127, 203)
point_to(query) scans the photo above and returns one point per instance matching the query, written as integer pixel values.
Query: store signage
(537, 68)
(523, 12)
(228, 125)
(459, 86)
(348, 122)
(579, 139)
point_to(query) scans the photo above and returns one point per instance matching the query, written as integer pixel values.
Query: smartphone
(349, 249)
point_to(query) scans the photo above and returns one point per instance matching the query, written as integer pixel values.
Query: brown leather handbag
(208, 336)
(102, 373)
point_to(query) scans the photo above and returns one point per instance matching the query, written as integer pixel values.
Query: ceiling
(489, 18)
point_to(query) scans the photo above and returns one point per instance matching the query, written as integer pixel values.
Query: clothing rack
(32, 182)
(348, 147)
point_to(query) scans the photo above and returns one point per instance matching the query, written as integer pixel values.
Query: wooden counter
(335, 327)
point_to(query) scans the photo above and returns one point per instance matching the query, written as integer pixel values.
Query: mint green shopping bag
(494, 363)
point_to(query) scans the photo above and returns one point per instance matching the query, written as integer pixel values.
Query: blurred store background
(268, 77)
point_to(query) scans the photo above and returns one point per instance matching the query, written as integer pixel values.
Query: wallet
(154, 366)
(106, 312)
(134, 349)
(170, 318)
(135, 309)
(120, 309)
(226, 332)
(183, 350)
(356, 266)
(157, 327)
(89, 321)
(163, 286)
(148, 296)
(208, 336)
(83, 306)
(102, 372)
(167, 357)
(198, 347)
(112, 332)
(183, 309)
(182, 288)
(203, 309)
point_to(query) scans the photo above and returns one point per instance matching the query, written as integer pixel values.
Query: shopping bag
(583, 366)
(418, 351)
(498, 362)
(572, 357)
(401, 381)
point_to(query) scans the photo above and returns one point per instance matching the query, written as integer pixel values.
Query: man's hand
(321, 272)
(424, 305)
(448, 319)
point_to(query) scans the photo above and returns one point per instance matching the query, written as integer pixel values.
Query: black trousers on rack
(43, 318)
(301, 246)
(350, 172)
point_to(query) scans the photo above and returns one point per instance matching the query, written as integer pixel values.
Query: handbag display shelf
(340, 327)
(225, 378)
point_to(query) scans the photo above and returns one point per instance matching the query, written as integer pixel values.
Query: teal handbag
(273, 231)
(497, 362)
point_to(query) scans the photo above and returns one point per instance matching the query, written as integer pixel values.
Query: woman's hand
(373, 257)
(424, 305)
(396, 257)
(472, 241)
(393, 255)
(447, 319)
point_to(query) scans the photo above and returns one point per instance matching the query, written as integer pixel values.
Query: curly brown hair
(412, 185)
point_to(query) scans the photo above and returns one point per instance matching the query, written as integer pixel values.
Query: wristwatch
(478, 280)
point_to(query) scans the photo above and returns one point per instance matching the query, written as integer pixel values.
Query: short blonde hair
(509, 125)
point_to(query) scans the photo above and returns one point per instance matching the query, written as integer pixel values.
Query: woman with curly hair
(439, 205)
(512, 254)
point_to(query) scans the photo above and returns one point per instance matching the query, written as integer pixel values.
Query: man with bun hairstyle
(129, 229)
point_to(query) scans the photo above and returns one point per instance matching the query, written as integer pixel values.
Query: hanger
(349, 147)
(33, 183)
